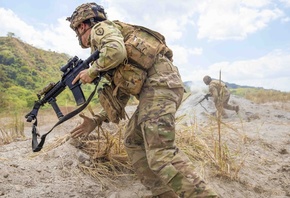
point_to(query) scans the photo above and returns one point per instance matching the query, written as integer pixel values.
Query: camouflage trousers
(158, 163)
(223, 104)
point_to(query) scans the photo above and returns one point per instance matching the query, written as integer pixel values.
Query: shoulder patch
(99, 31)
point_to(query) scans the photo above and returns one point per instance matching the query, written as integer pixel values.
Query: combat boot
(237, 109)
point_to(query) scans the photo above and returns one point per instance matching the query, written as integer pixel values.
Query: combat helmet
(207, 80)
(91, 11)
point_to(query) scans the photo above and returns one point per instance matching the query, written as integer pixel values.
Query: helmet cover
(84, 12)
(206, 79)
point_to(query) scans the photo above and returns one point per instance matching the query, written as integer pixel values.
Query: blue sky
(248, 40)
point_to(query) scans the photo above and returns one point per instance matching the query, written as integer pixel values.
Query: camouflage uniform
(221, 96)
(106, 38)
(150, 134)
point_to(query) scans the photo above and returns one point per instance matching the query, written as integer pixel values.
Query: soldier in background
(221, 95)
(150, 134)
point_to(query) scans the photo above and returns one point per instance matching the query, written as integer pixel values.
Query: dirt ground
(260, 132)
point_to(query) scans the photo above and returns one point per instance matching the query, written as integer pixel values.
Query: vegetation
(108, 160)
(26, 70)
(260, 95)
(11, 128)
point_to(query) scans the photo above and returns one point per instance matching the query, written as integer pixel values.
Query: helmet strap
(80, 37)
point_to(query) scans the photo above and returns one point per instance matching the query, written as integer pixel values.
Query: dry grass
(11, 129)
(108, 159)
(204, 145)
(263, 95)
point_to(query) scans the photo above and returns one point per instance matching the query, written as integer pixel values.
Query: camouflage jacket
(217, 88)
(106, 38)
(161, 80)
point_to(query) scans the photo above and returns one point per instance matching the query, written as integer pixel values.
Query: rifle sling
(37, 147)
(203, 107)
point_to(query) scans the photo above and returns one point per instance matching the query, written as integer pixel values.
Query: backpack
(220, 86)
(143, 46)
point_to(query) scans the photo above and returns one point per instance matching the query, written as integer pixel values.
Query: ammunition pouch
(129, 79)
(114, 105)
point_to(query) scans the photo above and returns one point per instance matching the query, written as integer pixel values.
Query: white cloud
(11, 23)
(167, 17)
(270, 71)
(285, 20)
(235, 19)
(59, 37)
(272, 65)
(255, 3)
(182, 55)
(286, 3)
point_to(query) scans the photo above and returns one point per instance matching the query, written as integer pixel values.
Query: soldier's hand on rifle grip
(206, 96)
(84, 77)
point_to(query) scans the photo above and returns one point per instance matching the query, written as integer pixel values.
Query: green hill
(25, 70)
(26, 66)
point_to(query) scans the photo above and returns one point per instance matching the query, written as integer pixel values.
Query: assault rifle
(200, 101)
(48, 95)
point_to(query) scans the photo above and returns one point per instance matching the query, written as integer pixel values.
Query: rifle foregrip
(29, 118)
